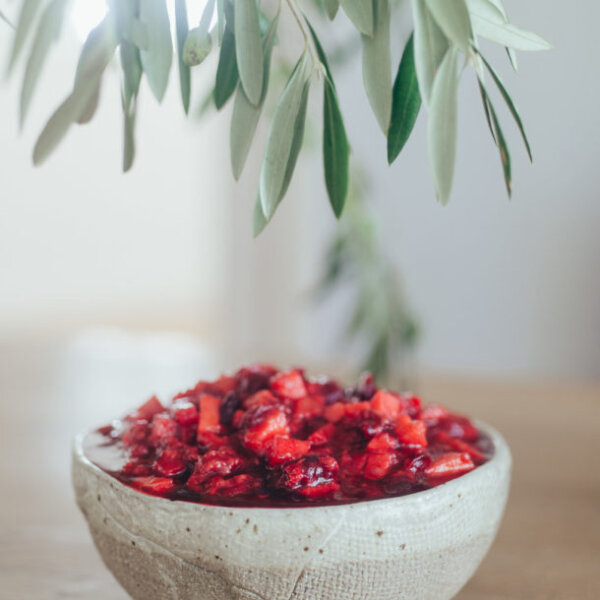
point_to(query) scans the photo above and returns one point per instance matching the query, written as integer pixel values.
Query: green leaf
(157, 59)
(27, 16)
(376, 65)
(406, 103)
(220, 20)
(48, 31)
(182, 29)
(336, 151)
(139, 34)
(258, 218)
(510, 104)
(494, 10)
(430, 48)
(361, 13)
(331, 8)
(129, 118)
(285, 138)
(91, 107)
(442, 124)
(248, 48)
(197, 46)
(498, 136)
(490, 22)
(132, 70)
(96, 54)
(453, 18)
(320, 52)
(245, 116)
(227, 71)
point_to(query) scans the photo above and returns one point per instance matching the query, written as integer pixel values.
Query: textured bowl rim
(501, 454)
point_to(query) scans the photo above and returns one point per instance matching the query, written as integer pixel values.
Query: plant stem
(307, 39)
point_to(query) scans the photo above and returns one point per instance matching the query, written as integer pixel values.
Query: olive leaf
(511, 105)
(406, 103)
(430, 48)
(227, 71)
(47, 32)
(157, 58)
(198, 42)
(220, 20)
(91, 107)
(442, 124)
(258, 218)
(197, 46)
(132, 74)
(132, 70)
(336, 150)
(245, 116)
(498, 137)
(360, 12)
(454, 20)
(494, 10)
(96, 54)
(27, 16)
(376, 65)
(493, 25)
(182, 30)
(248, 47)
(129, 117)
(331, 8)
(285, 137)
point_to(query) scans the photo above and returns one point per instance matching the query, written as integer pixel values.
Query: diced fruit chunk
(156, 485)
(411, 432)
(449, 465)
(150, 408)
(209, 414)
(264, 424)
(386, 404)
(262, 438)
(284, 449)
(289, 385)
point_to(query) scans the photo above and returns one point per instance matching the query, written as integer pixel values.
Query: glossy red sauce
(266, 438)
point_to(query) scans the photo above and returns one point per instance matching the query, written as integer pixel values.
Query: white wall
(80, 242)
(502, 287)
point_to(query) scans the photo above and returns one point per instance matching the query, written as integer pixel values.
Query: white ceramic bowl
(423, 546)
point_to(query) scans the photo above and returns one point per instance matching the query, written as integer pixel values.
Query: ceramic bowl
(423, 546)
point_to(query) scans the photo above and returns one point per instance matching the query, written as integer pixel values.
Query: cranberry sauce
(268, 438)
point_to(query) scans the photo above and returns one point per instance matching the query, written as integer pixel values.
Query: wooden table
(548, 547)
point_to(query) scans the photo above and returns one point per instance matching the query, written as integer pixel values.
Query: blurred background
(159, 267)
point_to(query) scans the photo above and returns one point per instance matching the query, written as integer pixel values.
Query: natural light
(86, 14)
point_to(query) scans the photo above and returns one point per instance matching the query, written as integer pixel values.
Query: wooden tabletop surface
(548, 547)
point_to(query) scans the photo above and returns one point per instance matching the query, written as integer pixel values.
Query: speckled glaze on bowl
(423, 546)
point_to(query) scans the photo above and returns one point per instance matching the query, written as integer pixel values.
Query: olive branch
(140, 31)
